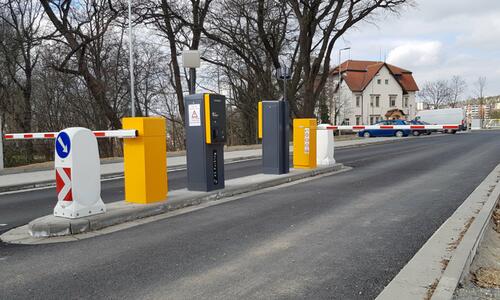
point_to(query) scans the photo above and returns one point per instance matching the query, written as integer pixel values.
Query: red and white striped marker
(402, 127)
(124, 134)
(63, 184)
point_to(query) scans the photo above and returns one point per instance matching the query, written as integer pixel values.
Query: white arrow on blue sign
(63, 145)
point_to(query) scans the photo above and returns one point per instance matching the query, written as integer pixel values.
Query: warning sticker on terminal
(194, 115)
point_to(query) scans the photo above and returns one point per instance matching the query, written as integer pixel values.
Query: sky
(436, 39)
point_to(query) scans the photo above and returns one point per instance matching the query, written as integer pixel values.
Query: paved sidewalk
(23, 180)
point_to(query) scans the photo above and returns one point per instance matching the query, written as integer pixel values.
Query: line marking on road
(1, 225)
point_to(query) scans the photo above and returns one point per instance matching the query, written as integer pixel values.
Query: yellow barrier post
(145, 160)
(304, 143)
(259, 112)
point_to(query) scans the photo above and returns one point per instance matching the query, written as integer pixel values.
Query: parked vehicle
(386, 132)
(417, 132)
(444, 116)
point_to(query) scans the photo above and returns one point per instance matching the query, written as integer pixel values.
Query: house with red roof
(371, 91)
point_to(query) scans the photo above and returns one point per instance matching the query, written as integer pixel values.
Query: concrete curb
(51, 183)
(438, 267)
(121, 212)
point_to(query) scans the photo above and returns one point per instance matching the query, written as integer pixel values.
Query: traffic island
(120, 212)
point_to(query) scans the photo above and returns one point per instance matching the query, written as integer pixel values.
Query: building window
(387, 81)
(379, 81)
(375, 100)
(347, 122)
(358, 120)
(392, 100)
(358, 100)
(372, 121)
(405, 101)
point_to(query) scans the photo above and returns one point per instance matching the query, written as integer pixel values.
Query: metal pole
(131, 59)
(192, 72)
(284, 89)
(338, 85)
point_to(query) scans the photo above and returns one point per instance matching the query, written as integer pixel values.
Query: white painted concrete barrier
(78, 174)
(324, 146)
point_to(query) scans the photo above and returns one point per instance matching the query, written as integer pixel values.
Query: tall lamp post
(284, 73)
(191, 60)
(340, 71)
(131, 58)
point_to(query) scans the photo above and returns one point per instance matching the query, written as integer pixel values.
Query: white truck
(444, 116)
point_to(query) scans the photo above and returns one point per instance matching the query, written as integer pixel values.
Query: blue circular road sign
(63, 145)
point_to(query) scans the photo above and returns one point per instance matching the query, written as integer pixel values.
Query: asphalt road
(19, 208)
(337, 237)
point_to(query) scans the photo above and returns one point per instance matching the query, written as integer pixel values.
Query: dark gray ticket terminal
(205, 124)
(275, 137)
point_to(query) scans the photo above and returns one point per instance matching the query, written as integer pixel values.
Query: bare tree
(181, 23)
(457, 88)
(82, 26)
(435, 93)
(238, 32)
(480, 86)
(321, 24)
(20, 53)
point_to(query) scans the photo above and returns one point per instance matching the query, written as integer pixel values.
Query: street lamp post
(131, 58)
(340, 71)
(284, 74)
(191, 60)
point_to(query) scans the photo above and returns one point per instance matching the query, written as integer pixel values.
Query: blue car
(386, 132)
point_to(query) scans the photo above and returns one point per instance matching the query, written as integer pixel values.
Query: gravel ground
(484, 279)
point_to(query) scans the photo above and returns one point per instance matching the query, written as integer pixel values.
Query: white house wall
(365, 111)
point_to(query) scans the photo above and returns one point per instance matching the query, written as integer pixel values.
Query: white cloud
(436, 40)
(416, 54)
(483, 32)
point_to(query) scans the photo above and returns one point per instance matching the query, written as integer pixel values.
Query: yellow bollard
(145, 160)
(304, 143)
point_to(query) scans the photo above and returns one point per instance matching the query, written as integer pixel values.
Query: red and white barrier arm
(124, 134)
(402, 127)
